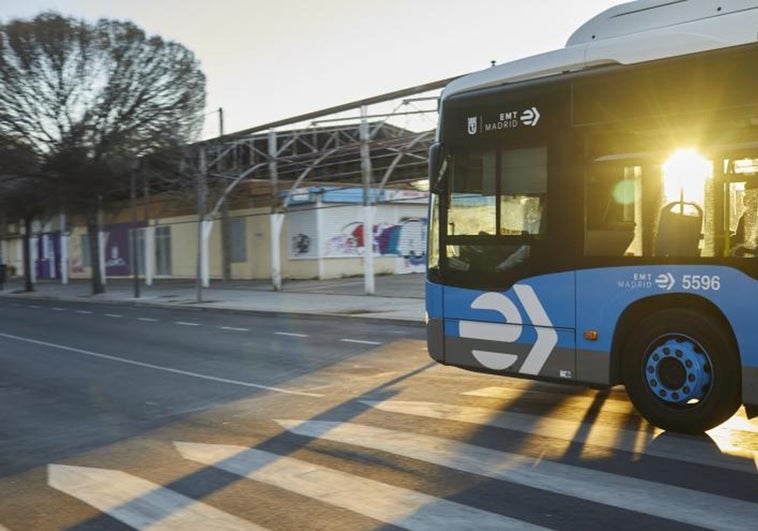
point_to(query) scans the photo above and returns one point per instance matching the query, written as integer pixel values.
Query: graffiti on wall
(301, 244)
(302, 231)
(406, 239)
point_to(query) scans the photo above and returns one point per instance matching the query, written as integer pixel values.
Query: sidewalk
(397, 297)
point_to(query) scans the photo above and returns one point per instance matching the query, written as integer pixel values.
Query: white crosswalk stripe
(575, 432)
(647, 497)
(394, 505)
(140, 503)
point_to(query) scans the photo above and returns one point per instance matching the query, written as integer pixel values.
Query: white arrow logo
(509, 332)
(530, 116)
(665, 281)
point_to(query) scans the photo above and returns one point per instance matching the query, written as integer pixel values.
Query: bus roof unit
(630, 33)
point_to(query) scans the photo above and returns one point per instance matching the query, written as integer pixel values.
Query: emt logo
(510, 331)
(472, 123)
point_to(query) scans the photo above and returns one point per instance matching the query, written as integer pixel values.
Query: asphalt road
(122, 417)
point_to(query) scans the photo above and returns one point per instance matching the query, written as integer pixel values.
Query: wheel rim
(678, 370)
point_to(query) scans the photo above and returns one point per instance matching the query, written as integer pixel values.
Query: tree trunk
(93, 233)
(28, 284)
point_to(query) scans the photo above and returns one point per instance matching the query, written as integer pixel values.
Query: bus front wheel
(682, 371)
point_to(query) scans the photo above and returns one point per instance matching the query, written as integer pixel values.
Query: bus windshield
(499, 197)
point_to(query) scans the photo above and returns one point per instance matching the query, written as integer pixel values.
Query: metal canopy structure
(378, 142)
(325, 156)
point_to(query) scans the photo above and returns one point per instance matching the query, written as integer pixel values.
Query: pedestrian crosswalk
(140, 503)
(668, 501)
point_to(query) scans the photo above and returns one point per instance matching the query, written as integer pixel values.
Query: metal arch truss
(271, 163)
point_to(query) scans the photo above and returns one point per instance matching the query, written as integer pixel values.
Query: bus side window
(610, 216)
(744, 241)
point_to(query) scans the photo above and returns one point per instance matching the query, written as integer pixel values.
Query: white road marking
(738, 422)
(58, 309)
(84, 312)
(115, 315)
(397, 506)
(647, 497)
(235, 329)
(185, 323)
(290, 334)
(158, 367)
(571, 431)
(140, 503)
(147, 319)
(361, 342)
(35, 306)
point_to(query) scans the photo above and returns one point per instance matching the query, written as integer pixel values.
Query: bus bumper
(435, 339)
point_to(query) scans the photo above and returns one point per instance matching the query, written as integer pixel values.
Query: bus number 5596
(701, 282)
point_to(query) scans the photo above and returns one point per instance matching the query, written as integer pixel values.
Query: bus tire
(682, 371)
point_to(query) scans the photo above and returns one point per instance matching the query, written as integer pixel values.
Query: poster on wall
(117, 252)
(47, 263)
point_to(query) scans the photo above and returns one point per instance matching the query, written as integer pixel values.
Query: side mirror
(438, 157)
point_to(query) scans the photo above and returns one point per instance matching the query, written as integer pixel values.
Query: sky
(268, 60)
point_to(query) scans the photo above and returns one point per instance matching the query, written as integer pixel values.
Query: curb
(201, 306)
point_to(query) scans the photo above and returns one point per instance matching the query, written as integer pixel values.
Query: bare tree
(90, 98)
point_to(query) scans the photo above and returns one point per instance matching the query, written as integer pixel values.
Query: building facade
(322, 237)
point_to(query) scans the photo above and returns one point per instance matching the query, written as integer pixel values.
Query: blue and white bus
(594, 213)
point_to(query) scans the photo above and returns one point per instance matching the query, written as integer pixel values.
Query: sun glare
(684, 176)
